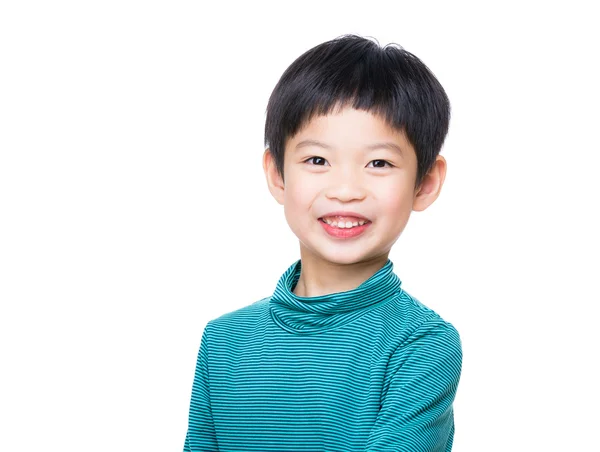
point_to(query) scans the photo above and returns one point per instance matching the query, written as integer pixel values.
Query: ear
(431, 185)
(274, 180)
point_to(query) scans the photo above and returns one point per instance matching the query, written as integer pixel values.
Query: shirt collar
(310, 315)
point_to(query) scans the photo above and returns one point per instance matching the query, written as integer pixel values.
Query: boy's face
(337, 163)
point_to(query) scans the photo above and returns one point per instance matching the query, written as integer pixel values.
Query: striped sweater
(370, 369)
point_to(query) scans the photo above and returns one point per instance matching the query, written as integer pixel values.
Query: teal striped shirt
(370, 369)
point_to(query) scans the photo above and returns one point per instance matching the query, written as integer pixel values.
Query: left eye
(384, 161)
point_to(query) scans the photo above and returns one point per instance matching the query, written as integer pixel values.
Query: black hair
(354, 71)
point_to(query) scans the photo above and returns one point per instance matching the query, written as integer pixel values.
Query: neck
(352, 291)
(321, 277)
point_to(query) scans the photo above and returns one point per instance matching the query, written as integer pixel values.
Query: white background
(134, 208)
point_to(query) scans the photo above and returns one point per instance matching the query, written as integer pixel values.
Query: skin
(346, 175)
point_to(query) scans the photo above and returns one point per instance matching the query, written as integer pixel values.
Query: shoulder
(248, 316)
(410, 321)
(424, 343)
(232, 334)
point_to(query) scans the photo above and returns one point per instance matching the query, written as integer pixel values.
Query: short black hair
(355, 71)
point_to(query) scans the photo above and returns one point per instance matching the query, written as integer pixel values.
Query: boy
(339, 357)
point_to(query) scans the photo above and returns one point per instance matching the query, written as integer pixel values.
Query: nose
(346, 185)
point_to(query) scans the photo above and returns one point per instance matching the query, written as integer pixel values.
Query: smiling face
(350, 160)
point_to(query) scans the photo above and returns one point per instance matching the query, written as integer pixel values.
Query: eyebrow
(383, 145)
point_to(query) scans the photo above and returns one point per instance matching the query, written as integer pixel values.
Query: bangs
(388, 82)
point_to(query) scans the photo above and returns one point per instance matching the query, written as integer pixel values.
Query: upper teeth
(342, 223)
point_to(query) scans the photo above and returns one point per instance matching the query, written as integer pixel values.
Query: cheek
(395, 214)
(298, 205)
(397, 204)
(296, 198)
(299, 192)
(395, 197)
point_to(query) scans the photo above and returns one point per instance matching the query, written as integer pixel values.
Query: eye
(321, 158)
(316, 158)
(385, 162)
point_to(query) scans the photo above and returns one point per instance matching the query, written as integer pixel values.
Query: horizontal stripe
(370, 369)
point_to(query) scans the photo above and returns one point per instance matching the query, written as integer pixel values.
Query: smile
(344, 232)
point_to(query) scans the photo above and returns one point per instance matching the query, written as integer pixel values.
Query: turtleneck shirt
(369, 369)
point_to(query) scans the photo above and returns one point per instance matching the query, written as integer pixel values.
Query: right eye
(315, 158)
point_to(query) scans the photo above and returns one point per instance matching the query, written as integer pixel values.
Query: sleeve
(201, 435)
(420, 383)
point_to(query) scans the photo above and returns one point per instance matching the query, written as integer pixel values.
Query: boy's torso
(303, 392)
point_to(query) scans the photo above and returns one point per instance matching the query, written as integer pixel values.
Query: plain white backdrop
(134, 208)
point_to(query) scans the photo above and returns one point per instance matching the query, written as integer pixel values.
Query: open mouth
(345, 232)
(348, 225)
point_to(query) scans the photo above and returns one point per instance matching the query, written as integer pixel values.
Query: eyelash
(377, 160)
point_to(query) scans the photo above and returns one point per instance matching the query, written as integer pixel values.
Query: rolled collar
(311, 315)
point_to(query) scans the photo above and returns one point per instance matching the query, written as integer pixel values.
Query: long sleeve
(421, 380)
(201, 435)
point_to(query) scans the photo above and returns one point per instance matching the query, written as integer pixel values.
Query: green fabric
(370, 369)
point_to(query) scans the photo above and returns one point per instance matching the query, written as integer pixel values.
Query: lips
(345, 233)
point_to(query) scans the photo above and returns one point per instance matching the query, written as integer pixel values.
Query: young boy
(340, 357)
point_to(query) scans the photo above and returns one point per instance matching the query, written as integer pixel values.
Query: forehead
(350, 128)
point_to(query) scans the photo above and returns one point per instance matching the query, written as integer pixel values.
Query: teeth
(344, 224)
